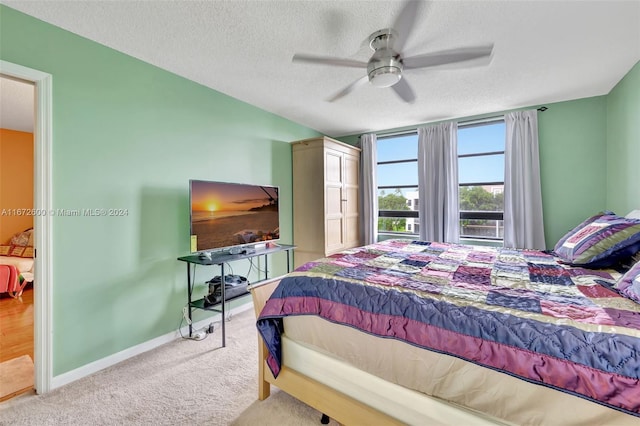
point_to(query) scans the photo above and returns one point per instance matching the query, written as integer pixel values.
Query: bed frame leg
(259, 295)
(324, 419)
(264, 387)
(264, 390)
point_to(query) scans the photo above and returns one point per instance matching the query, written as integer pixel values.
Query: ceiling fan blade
(350, 88)
(403, 90)
(449, 57)
(326, 60)
(405, 22)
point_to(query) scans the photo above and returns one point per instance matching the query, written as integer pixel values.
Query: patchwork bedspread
(516, 311)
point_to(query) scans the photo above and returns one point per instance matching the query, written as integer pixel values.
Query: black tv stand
(219, 259)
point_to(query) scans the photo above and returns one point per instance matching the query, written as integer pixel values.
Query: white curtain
(438, 182)
(369, 188)
(523, 225)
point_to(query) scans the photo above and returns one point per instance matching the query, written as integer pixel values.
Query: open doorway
(42, 235)
(17, 211)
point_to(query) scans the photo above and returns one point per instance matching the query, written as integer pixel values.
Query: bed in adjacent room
(414, 332)
(16, 263)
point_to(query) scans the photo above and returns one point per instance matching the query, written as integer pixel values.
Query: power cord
(197, 335)
(204, 332)
(260, 270)
(230, 268)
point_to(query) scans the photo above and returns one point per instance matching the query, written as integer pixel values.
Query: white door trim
(43, 270)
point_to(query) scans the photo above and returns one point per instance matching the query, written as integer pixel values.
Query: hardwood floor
(16, 342)
(16, 328)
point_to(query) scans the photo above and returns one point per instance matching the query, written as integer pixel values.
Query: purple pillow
(600, 241)
(629, 284)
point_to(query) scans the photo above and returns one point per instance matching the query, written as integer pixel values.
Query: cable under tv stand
(219, 259)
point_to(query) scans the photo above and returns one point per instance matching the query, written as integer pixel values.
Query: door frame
(43, 229)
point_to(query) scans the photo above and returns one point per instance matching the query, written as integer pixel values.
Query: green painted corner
(623, 144)
(572, 151)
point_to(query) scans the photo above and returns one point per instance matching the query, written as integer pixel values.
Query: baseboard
(101, 364)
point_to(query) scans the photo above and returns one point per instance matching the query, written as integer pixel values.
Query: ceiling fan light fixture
(384, 68)
(385, 76)
(386, 65)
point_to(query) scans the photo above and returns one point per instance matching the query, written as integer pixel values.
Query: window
(480, 176)
(397, 174)
(481, 180)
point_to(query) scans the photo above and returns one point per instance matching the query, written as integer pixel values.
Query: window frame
(397, 214)
(463, 214)
(481, 214)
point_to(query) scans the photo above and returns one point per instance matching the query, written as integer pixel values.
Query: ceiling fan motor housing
(385, 71)
(384, 68)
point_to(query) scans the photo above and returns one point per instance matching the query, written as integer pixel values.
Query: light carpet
(184, 382)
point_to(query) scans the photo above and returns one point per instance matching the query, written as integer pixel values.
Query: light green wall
(572, 150)
(623, 144)
(129, 135)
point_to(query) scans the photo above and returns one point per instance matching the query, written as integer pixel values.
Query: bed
(413, 332)
(15, 274)
(16, 263)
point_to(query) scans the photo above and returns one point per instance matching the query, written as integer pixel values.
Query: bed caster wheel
(324, 419)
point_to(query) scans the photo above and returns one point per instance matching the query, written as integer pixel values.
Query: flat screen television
(229, 215)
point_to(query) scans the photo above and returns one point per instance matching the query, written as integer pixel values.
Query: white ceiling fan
(386, 66)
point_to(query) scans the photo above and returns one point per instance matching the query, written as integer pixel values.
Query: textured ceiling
(545, 51)
(16, 105)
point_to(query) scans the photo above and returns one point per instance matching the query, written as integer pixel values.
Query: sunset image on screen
(227, 214)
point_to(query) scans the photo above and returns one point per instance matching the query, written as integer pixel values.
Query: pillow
(22, 239)
(600, 241)
(629, 284)
(628, 262)
(633, 214)
(16, 251)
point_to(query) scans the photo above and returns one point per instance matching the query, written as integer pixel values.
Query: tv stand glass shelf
(219, 259)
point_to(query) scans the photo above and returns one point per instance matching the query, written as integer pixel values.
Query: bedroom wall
(623, 144)
(572, 146)
(128, 135)
(16, 181)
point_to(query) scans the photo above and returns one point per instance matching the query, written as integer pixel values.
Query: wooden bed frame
(338, 406)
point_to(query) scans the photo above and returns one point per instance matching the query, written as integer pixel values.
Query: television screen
(225, 215)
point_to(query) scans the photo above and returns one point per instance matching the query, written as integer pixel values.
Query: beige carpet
(16, 376)
(184, 382)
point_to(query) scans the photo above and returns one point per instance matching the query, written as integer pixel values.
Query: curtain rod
(463, 123)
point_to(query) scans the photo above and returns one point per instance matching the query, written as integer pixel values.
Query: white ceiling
(545, 51)
(16, 105)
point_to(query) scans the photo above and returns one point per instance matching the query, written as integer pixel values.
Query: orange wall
(16, 181)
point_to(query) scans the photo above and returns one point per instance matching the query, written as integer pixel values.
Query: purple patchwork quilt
(520, 312)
